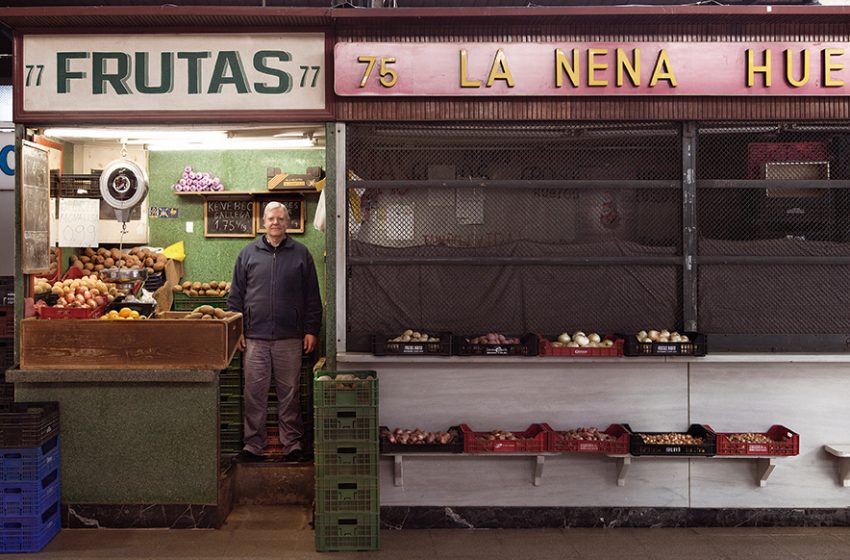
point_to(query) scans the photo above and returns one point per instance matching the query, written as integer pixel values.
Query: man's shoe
(295, 456)
(246, 456)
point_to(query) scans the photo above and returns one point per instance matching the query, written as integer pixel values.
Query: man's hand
(240, 344)
(310, 341)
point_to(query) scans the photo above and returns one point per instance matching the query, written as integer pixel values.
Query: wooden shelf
(248, 193)
(398, 459)
(765, 464)
(842, 452)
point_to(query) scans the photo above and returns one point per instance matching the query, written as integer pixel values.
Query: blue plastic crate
(29, 533)
(29, 463)
(29, 498)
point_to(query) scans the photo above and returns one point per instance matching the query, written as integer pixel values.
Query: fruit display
(672, 438)
(418, 437)
(87, 291)
(581, 340)
(197, 181)
(493, 338)
(136, 258)
(412, 336)
(208, 312)
(586, 434)
(195, 289)
(777, 441)
(124, 314)
(663, 335)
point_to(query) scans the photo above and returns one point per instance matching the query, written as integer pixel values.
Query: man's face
(274, 222)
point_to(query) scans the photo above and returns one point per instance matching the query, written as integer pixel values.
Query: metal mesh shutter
(773, 213)
(512, 228)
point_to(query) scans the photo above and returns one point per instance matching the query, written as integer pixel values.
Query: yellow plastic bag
(175, 251)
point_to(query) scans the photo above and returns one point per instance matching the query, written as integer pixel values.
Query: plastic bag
(320, 217)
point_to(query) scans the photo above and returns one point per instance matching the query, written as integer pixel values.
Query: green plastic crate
(347, 531)
(345, 458)
(182, 302)
(346, 424)
(357, 392)
(347, 493)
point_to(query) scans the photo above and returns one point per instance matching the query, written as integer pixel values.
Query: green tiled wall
(212, 258)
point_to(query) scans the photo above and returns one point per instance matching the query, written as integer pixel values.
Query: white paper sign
(54, 226)
(400, 222)
(79, 222)
(183, 72)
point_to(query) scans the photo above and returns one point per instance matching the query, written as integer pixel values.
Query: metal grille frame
(615, 227)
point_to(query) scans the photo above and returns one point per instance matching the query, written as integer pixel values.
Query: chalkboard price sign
(229, 217)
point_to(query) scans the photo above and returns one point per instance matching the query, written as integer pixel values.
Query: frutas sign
(591, 68)
(173, 72)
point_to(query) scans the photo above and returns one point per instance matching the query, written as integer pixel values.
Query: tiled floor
(283, 532)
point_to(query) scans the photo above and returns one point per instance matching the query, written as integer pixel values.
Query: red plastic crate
(546, 349)
(785, 443)
(618, 446)
(69, 312)
(534, 439)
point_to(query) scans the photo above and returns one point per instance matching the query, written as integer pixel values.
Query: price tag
(79, 222)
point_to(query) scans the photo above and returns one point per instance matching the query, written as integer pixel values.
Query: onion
(187, 169)
(563, 338)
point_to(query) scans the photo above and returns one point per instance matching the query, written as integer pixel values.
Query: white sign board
(79, 222)
(191, 72)
(7, 161)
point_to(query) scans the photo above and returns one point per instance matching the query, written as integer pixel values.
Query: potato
(177, 288)
(197, 286)
(89, 252)
(86, 259)
(219, 313)
(202, 292)
(149, 262)
(89, 266)
(205, 286)
(193, 293)
(108, 262)
(214, 285)
(206, 309)
(194, 315)
(98, 267)
(187, 285)
(158, 266)
(208, 317)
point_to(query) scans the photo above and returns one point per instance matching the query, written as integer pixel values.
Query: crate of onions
(699, 441)
(663, 342)
(613, 441)
(581, 344)
(413, 343)
(421, 441)
(533, 440)
(777, 441)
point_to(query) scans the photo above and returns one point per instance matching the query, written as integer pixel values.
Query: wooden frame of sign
(296, 207)
(229, 216)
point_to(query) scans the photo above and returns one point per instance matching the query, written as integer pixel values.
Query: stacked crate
(230, 406)
(346, 456)
(29, 475)
(182, 302)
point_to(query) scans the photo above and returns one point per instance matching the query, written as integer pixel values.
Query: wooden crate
(168, 343)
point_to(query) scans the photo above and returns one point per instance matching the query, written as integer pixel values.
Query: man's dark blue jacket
(276, 290)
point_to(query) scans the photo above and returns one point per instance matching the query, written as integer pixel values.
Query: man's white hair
(274, 204)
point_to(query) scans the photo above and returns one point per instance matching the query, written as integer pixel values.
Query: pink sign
(485, 69)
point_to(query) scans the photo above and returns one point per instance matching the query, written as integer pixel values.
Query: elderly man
(276, 289)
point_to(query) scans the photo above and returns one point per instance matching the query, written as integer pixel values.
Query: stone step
(273, 483)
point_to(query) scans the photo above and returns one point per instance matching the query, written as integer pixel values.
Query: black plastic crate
(455, 446)
(696, 346)
(28, 424)
(528, 346)
(383, 345)
(707, 448)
